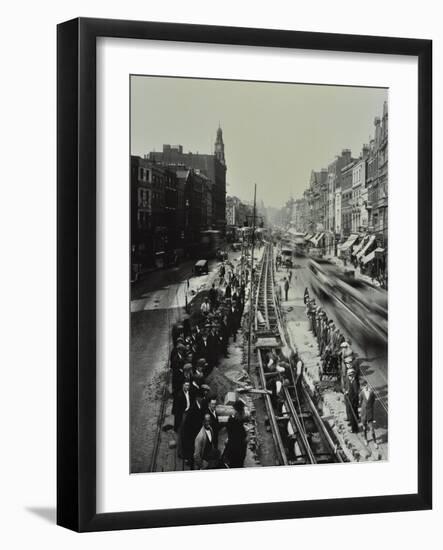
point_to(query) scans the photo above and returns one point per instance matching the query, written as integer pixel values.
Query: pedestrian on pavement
(181, 405)
(366, 402)
(351, 400)
(211, 409)
(177, 361)
(286, 286)
(224, 335)
(190, 427)
(278, 293)
(235, 450)
(213, 297)
(206, 455)
(290, 275)
(233, 321)
(228, 291)
(306, 296)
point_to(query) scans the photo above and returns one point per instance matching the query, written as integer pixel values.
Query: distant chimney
(346, 155)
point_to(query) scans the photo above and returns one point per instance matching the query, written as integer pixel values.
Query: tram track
(298, 430)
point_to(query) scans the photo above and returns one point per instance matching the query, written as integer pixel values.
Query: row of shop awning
(367, 243)
(317, 238)
(347, 245)
(372, 255)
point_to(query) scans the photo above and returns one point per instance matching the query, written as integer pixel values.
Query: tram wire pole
(251, 292)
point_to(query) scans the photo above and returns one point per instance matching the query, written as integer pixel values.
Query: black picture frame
(76, 293)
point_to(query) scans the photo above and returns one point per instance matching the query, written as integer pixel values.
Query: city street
(371, 355)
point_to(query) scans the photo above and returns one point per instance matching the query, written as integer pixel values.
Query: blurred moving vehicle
(314, 252)
(286, 257)
(368, 306)
(359, 306)
(201, 267)
(323, 276)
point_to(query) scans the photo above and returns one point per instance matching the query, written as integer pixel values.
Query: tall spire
(219, 148)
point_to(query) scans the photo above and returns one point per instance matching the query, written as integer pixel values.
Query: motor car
(201, 267)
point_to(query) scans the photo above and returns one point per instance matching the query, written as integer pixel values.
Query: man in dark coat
(351, 400)
(191, 426)
(214, 348)
(213, 418)
(235, 450)
(224, 335)
(233, 321)
(203, 345)
(213, 298)
(181, 405)
(176, 363)
(367, 402)
(206, 455)
(286, 285)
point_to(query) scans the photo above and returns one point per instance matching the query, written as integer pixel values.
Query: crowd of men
(198, 344)
(338, 360)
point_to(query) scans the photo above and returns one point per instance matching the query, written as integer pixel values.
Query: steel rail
(266, 279)
(297, 425)
(271, 415)
(296, 421)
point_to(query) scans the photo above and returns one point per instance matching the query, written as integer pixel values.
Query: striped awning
(351, 240)
(369, 257)
(363, 251)
(373, 255)
(317, 238)
(356, 248)
(312, 239)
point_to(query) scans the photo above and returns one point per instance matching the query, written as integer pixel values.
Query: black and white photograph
(258, 274)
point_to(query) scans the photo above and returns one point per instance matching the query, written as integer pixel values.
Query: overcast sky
(274, 134)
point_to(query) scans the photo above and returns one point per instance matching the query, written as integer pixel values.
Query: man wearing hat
(310, 310)
(191, 426)
(366, 402)
(181, 405)
(235, 450)
(203, 344)
(214, 348)
(351, 400)
(213, 297)
(206, 454)
(176, 364)
(211, 409)
(205, 308)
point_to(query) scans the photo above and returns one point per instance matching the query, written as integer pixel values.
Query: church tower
(220, 146)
